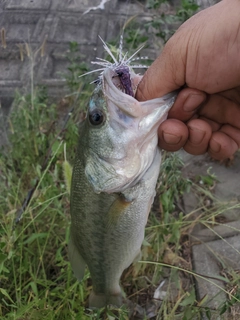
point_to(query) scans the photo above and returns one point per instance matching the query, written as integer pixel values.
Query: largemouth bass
(114, 179)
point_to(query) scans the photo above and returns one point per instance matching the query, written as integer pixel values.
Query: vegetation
(36, 280)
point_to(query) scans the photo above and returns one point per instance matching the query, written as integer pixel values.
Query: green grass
(36, 280)
(31, 270)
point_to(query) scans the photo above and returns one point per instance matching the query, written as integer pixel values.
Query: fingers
(193, 137)
(173, 135)
(197, 138)
(200, 133)
(187, 103)
(220, 109)
(221, 146)
(212, 124)
(232, 132)
(222, 112)
(224, 143)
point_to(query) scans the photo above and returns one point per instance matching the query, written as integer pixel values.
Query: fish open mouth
(123, 79)
(120, 90)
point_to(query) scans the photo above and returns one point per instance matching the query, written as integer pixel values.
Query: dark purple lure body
(125, 79)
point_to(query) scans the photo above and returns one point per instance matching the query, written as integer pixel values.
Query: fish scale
(113, 182)
(108, 244)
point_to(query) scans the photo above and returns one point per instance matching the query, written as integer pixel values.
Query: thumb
(167, 73)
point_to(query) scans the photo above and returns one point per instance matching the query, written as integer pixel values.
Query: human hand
(204, 55)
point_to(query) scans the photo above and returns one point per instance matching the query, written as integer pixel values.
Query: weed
(34, 268)
(36, 280)
(76, 68)
(165, 24)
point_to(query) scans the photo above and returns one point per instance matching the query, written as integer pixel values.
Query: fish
(114, 177)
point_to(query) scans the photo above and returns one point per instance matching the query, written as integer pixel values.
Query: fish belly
(107, 231)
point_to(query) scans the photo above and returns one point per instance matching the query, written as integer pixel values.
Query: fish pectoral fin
(76, 260)
(117, 208)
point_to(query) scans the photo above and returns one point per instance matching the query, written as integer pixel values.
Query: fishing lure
(121, 67)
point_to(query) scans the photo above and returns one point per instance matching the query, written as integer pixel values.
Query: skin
(203, 60)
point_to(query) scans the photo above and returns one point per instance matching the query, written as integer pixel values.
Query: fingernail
(171, 138)
(192, 102)
(196, 136)
(215, 146)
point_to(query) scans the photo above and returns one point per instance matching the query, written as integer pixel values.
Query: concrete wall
(38, 32)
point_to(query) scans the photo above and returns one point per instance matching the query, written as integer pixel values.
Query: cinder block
(82, 29)
(207, 259)
(22, 27)
(79, 6)
(28, 5)
(132, 8)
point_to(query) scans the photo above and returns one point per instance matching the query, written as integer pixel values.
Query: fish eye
(96, 117)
